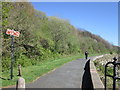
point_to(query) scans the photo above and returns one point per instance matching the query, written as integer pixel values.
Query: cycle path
(67, 76)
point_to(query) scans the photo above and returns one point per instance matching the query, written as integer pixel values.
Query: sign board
(12, 32)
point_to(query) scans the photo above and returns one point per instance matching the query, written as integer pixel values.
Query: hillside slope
(43, 37)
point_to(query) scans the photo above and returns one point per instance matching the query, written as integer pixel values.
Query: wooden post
(19, 70)
(20, 85)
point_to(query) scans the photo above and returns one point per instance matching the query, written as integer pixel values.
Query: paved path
(67, 76)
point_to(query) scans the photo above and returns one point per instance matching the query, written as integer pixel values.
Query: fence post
(19, 70)
(114, 76)
(114, 73)
(118, 80)
(20, 85)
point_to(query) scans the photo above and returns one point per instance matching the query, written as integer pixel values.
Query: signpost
(12, 33)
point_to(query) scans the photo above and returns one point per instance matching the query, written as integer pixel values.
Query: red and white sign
(12, 32)
(9, 32)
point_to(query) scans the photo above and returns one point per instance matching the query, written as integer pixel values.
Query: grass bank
(31, 73)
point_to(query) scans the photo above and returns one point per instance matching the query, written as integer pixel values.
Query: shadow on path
(87, 80)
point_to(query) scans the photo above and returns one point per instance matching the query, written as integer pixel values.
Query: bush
(111, 53)
(6, 63)
(24, 61)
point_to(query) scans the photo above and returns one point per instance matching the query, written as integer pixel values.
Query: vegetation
(36, 70)
(101, 70)
(42, 37)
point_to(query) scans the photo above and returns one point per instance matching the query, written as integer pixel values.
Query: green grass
(30, 73)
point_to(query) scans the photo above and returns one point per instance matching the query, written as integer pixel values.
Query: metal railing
(114, 76)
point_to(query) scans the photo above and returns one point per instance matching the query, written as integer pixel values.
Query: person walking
(86, 55)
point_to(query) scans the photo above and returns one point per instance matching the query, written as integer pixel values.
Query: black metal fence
(114, 76)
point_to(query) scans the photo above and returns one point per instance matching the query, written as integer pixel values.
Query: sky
(100, 18)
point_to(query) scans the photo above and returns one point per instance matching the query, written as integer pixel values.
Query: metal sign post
(12, 56)
(12, 33)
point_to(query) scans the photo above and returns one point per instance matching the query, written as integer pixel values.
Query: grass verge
(31, 73)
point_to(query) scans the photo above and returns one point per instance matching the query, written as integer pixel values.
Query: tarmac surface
(67, 76)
